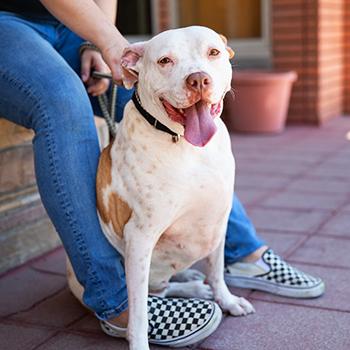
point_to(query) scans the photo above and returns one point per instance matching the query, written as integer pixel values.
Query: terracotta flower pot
(260, 102)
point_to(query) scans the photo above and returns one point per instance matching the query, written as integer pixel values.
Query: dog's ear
(230, 51)
(130, 57)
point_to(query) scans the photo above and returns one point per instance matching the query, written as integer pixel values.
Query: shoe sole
(266, 286)
(191, 339)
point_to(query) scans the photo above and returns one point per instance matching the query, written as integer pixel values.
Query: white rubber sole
(270, 287)
(193, 338)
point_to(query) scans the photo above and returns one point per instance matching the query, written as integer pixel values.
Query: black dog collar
(153, 121)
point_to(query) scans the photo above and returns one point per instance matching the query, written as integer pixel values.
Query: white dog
(164, 191)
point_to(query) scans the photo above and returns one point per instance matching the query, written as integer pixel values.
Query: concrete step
(25, 229)
(25, 242)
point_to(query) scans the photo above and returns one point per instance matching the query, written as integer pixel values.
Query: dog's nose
(198, 81)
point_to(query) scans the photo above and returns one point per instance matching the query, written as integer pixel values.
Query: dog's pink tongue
(199, 124)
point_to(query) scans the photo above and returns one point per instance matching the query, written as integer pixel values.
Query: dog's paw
(236, 306)
(197, 289)
(188, 275)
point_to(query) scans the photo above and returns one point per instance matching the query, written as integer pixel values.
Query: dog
(165, 185)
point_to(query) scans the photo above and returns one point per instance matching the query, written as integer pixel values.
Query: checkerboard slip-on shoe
(175, 322)
(273, 275)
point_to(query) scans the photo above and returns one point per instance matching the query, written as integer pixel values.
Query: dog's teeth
(181, 110)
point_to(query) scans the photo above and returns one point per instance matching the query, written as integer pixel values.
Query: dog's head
(182, 75)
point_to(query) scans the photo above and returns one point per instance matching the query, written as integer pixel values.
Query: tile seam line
(30, 262)
(38, 346)
(304, 306)
(319, 162)
(295, 177)
(334, 236)
(318, 228)
(289, 209)
(327, 266)
(40, 325)
(275, 231)
(60, 329)
(47, 272)
(299, 190)
(34, 304)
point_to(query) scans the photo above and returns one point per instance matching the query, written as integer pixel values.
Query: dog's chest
(178, 191)
(204, 194)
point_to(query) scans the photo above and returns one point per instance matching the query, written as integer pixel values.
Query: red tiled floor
(296, 189)
(278, 326)
(60, 311)
(89, 323)
(312, 184)
(282, 242)
(22, 289)
(252, 195)
(256, 181)
(338, 225)
(54, 262)
(21, 337)
(299, 221)
(298, 200)
(69, 341)
(272, 167)
(324, 251)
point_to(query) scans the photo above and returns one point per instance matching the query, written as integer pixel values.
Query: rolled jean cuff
(109, 314)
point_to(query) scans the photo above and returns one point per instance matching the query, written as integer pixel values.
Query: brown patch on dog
(118, 212)
(104, 176)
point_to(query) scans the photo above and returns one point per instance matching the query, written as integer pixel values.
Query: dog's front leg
(138, 252)
(236, 306)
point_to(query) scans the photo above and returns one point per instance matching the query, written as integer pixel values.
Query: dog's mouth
(197, 119)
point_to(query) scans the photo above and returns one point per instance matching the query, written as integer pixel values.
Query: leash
(107, 105)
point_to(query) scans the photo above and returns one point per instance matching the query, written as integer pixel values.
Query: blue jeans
(40, 89)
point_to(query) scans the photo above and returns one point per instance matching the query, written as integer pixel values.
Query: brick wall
(331, 58)
(307, 36)
(164, 8)
(346, 56)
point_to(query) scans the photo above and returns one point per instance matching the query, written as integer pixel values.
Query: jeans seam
(57, 180)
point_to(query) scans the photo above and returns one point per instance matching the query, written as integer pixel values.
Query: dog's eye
(214, 52)
(164, 60)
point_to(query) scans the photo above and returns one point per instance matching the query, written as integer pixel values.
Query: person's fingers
(98, 87)
(85, 68)
(112, 57)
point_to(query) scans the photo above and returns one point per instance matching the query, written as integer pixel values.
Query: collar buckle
(176, 138)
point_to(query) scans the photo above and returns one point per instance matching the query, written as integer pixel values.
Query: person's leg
(241, 236)
(40, 91)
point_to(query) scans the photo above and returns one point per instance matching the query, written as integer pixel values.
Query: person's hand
(112, 56)
(92, 60)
